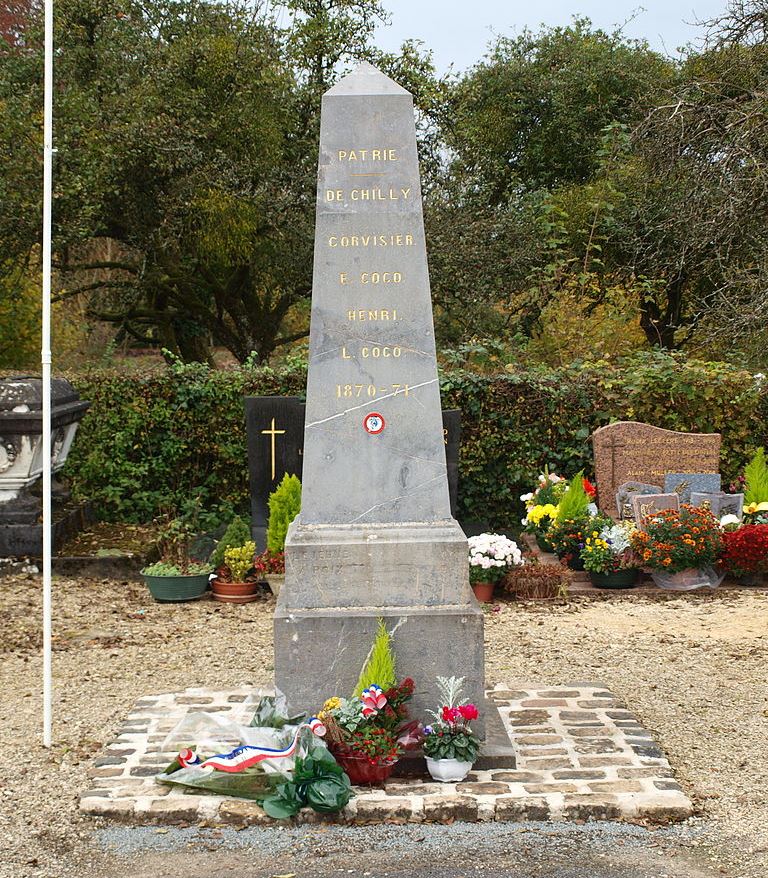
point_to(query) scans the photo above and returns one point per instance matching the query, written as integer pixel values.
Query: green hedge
(150, 443)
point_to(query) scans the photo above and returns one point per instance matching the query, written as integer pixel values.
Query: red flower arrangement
(745, 550)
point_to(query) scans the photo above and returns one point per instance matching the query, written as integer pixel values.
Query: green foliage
(379, 667)
(164, 568)
(318, 782)
(756, 475)
(20, 304)
(238, 533)
(284, 506)
(239, 559)
(573, 504)
(152, 441)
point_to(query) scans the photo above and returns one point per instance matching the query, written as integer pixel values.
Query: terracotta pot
(234, 592)
(618, 579)
(361, 772)
(483, 591)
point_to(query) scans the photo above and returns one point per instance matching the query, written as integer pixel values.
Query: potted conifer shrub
(235, 581)
(284, 506)
(368, 732)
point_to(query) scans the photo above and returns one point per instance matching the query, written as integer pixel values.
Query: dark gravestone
(275, 430)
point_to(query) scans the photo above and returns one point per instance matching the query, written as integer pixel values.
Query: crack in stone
(395, 499)
(371, 402)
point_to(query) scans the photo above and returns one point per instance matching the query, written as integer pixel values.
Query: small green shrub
(379, 667)
(238, 533)
(756, 475)
(164, 568)
(239, 559)
(284, 506)
(573, 504)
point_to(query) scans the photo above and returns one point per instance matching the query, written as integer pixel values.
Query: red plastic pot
(361, 772)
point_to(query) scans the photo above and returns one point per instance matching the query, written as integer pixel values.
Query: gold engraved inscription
(360, 314)
(374, 194)
(371, 391)
(370, 241)
(367, 155)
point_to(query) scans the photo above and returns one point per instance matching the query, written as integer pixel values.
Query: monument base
(319, 652)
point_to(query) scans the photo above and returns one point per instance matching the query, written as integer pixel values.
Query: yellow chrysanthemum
(332, 704)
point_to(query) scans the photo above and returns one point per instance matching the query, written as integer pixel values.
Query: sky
(458, 31)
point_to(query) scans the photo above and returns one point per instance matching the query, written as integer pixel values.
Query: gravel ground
(692, 668)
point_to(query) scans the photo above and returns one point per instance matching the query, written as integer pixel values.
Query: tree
(186, 169)
(694, 214)
(532, 113)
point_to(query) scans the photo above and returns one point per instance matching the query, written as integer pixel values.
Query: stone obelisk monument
(375, 538)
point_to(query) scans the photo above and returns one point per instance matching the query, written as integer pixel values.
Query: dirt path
(692, 668)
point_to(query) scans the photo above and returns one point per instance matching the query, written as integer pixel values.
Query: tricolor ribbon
(373, 700)
(246, 756)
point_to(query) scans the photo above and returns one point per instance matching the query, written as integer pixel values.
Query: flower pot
(544, 545)
(616, 579)
(688, 580)
(483, 591)
(362, 772)
(752, 579)
(234, 592)
(448, 770)
(573, 562)
(171, 589)
(275, 582)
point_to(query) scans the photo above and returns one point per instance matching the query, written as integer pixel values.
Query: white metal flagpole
(45, 357)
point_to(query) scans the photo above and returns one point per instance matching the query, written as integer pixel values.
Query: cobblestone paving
(580, 754)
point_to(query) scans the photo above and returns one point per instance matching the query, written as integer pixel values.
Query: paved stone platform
(580, 754)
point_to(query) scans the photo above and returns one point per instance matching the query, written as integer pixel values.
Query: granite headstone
(275, 433)
(644, 505)
(719, 503)
(684, 484)
(375, 538)
(625, 494)
(630, 451)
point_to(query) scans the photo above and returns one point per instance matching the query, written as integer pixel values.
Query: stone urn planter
(275, 581)
(616, 579)
(448, 770)
(173, 589)
(688, 580)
